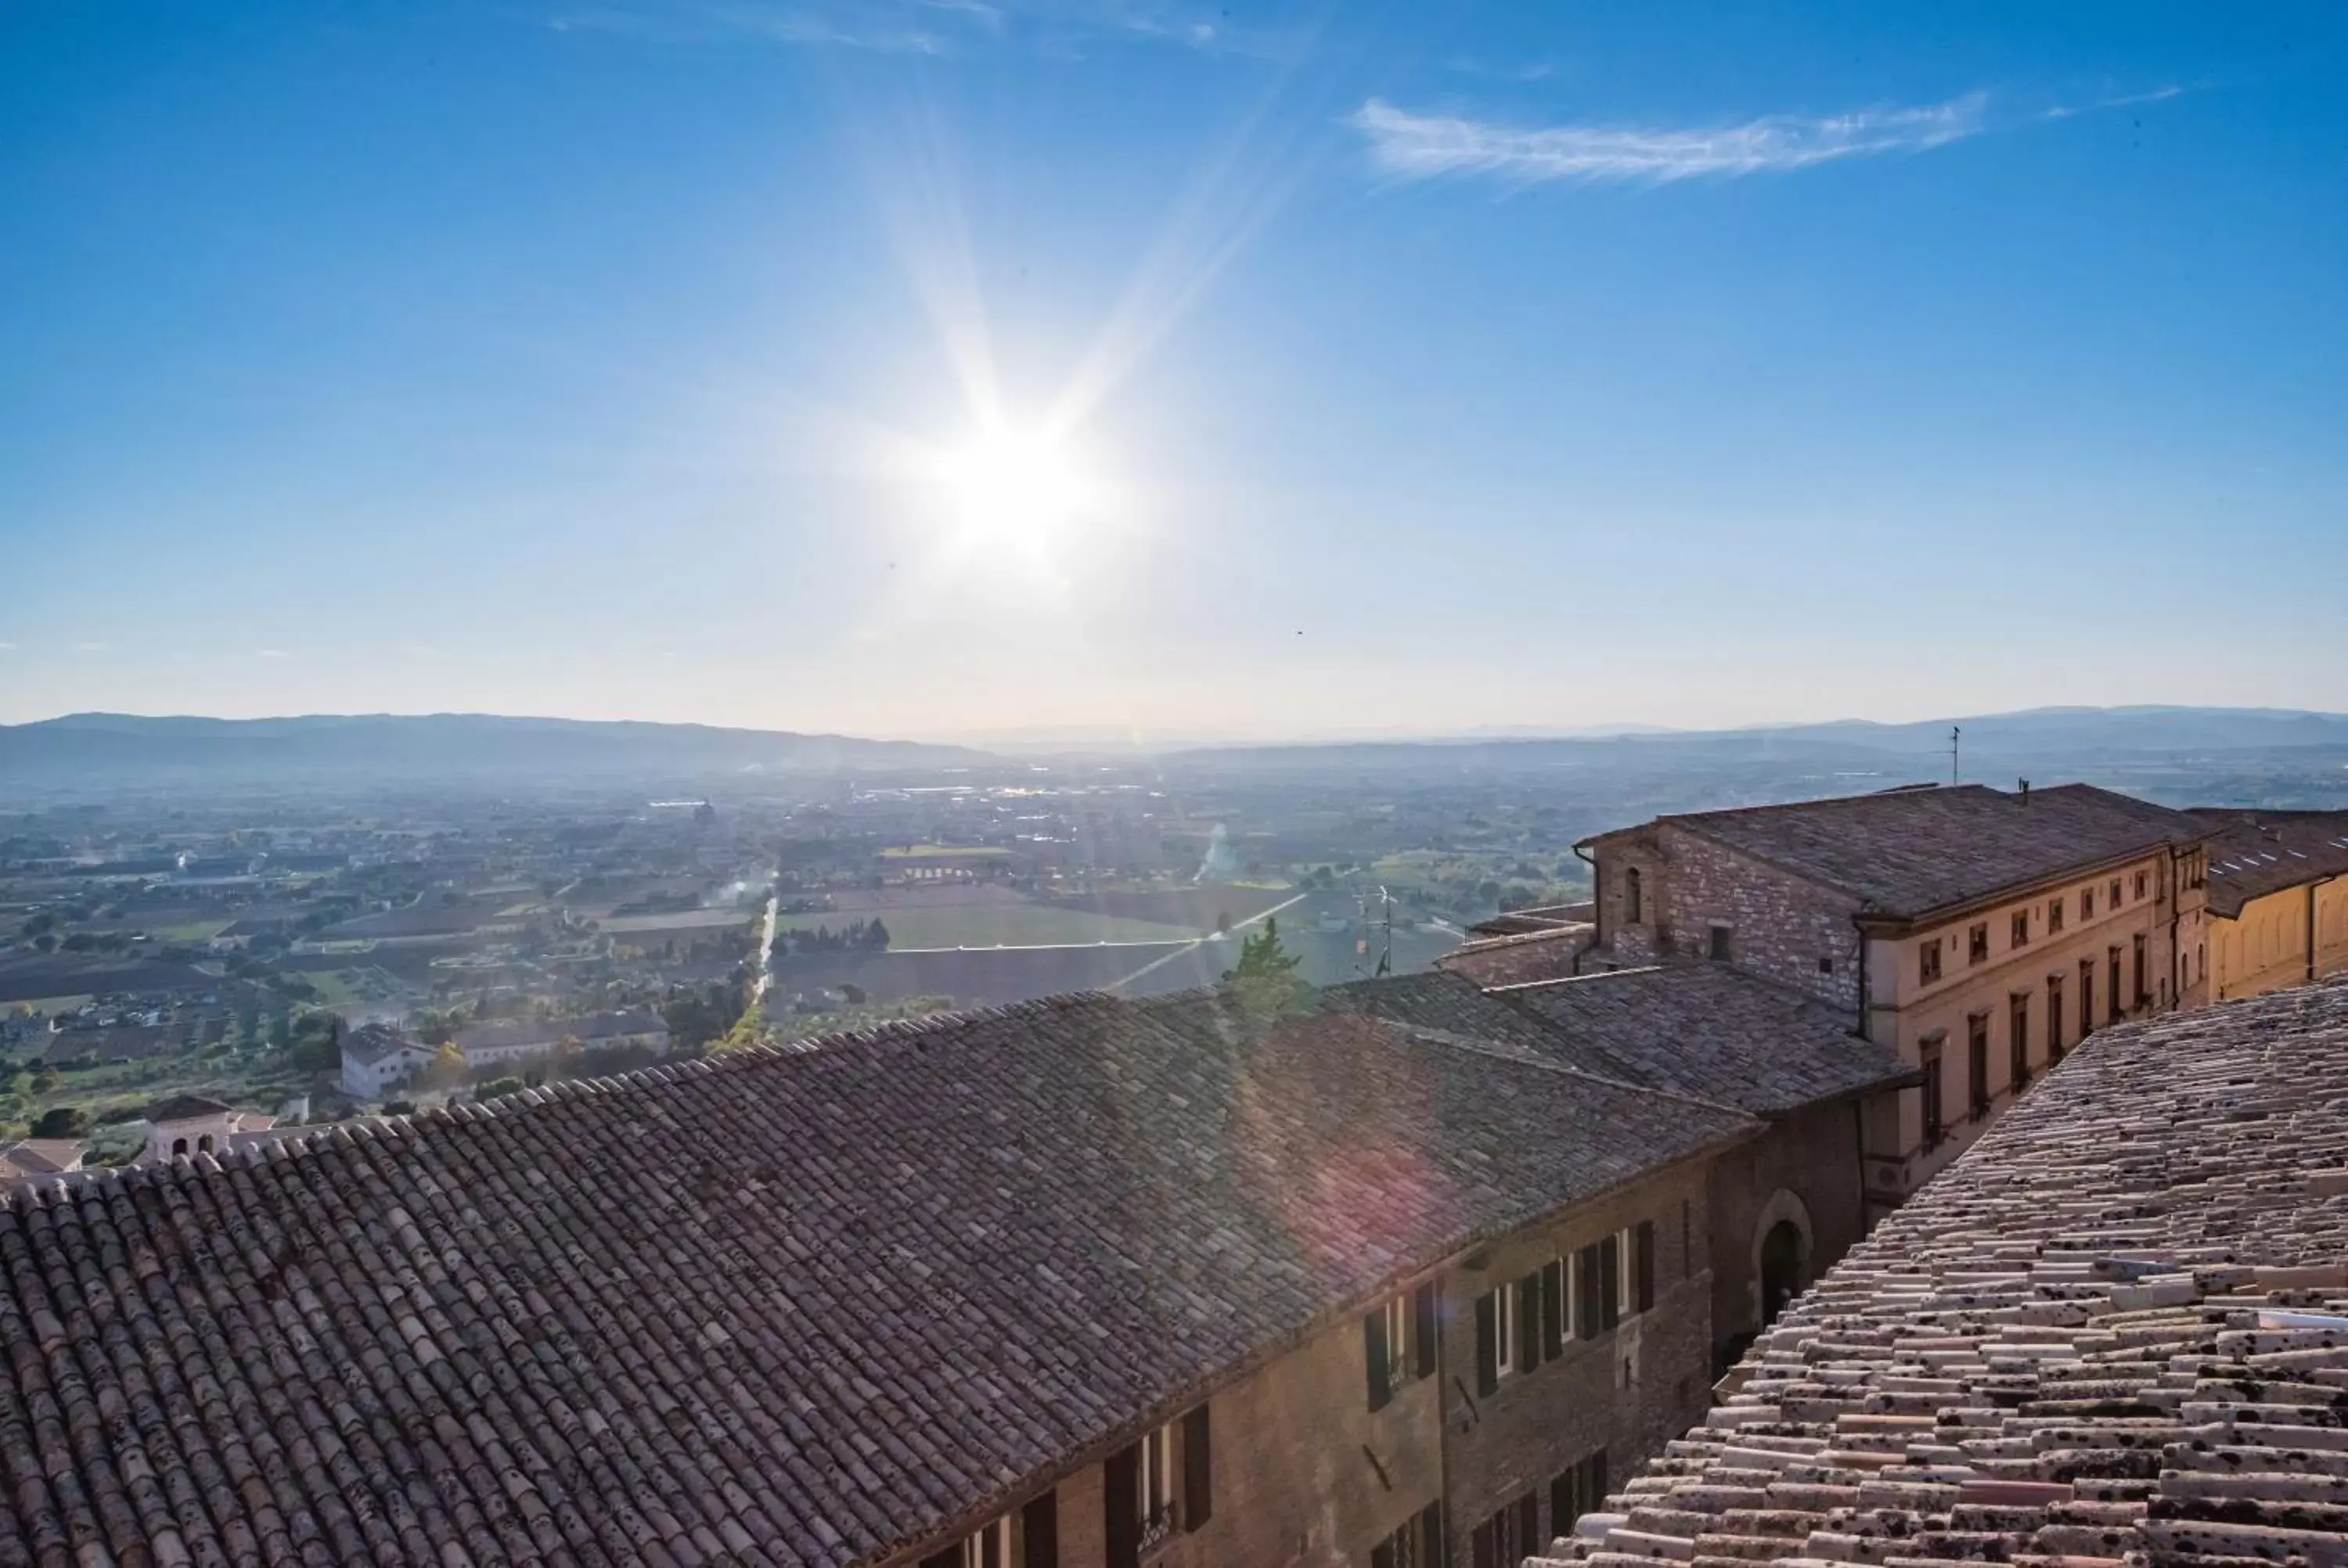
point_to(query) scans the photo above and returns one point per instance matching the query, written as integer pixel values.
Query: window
(1501, 1335)
(990, 1548)
(1718, 951)
(2112, 984)
(1977, 943)
(2137, 970)
(1634, 901)
(2087, 998)
(1928, 961)
(2054, 916)
(1579, 1489)
(1155, 1484)
(2142, 882)
(2054, 1019)
(1977, 1065)
(2113, 893)
(2087, 903)
(1389, 1335)
(1825, 965)
(1643, 1274)
(2019, 936)
(1930, 1060)
(1509, 1536)
(2017, 1036)
(1597, 1302)
(1417, 1545)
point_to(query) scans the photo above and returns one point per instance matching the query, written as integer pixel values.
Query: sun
(1014, 487)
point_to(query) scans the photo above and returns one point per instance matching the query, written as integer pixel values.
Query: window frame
(1928, 961)
(1504, 1331)
(974, 1545)
(2054, 914)
(1977, 944)
(2019, 936)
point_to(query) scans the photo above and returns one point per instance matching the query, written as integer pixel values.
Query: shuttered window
(1529, 1318)
(1377, 1359)
(1644, 1249)
(1588, 1309)
(1610, 1282)
(1120, 1511)
(1423, 1307)
(1552, 1313)
(1488, 1355)
(1197, 1470)
(1039, 1530)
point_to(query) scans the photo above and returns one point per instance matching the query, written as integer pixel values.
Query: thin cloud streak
(1409, 145)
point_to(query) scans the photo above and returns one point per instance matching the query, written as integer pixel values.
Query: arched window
(1781, 1268)
(204, 1144)
(1633, 897)
(179, 1145)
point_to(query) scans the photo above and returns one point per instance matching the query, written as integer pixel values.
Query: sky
(953, 367)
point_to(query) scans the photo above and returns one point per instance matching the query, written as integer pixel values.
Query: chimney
(2025, 789)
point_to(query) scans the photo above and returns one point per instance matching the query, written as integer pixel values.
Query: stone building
(1785, 1205)
(188, 1125)
(2115, 1331)
(1978, 933)
(1079, 1281)
(2277, 912)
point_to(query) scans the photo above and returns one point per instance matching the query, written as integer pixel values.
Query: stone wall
(1780, 926)
(1807, 1169)
(1540, 1424)
(1304, 1472)
(1516, 960)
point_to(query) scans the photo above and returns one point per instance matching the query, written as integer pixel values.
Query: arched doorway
(1782, 1257)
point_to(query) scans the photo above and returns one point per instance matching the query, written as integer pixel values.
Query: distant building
(504, 1040)
(1978, 933)
(377, 1056)
(192, 1124)
(37, 1159)
(2278, 894)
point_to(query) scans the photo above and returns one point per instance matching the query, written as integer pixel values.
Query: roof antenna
(1954, 732)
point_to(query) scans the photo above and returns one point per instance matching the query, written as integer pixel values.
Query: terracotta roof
(2255, 853)
(1905, 852)
(1706, 1032)
(795, 1306)
(28, 1157)
(1710, 1031)
(2115, 1330)
(371, 1042)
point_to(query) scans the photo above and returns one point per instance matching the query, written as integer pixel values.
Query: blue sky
(1418, 367)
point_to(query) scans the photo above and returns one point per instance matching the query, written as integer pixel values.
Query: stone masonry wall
(1781, 926)
(1539, 1424)
(1812, 1159)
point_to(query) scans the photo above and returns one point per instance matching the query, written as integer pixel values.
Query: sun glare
(1013, 488)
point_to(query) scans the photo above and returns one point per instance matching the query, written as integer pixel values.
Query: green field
(1011, 924)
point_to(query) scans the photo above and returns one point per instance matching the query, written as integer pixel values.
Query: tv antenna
(1956, 732)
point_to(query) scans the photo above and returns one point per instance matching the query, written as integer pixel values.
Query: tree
(447, 1068)
(62, 1121)
(1264, 981)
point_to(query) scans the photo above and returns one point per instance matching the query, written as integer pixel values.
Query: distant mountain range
(115, 751)
(123, 751)
(2070, 738)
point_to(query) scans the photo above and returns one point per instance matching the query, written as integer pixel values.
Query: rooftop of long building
(2114, 1331)
(815, 1306)
(1907, 852)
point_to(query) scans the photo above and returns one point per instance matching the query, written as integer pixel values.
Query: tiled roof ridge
(1524, 1056)
(1553, 980)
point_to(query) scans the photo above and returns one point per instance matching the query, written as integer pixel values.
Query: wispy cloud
(913, 26)
(269, 652)
(1426, 147)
